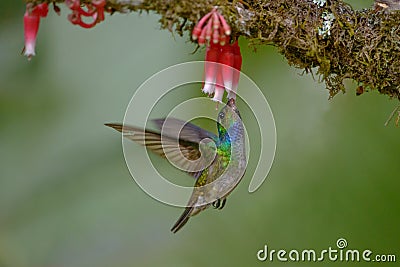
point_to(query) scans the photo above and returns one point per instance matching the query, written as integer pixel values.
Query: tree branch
(337, 40)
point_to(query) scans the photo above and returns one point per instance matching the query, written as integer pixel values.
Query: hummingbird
(217, 162)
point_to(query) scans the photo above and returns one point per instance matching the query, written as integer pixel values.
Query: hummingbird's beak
(231, 103)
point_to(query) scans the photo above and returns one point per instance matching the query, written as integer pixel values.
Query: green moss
(360, 45)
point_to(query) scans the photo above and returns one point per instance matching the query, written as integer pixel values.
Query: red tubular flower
(211, 68)
(237, 66)
(219, 88)
(40, 10)
(223, 60)
(31, 26)
(227, 60)
(222, 70)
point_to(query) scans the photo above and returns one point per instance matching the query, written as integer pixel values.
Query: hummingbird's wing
(186, 130)
(167, 144)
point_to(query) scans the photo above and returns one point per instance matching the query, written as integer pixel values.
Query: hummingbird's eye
(221, 115)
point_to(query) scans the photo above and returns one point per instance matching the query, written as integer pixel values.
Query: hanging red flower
(31, 26)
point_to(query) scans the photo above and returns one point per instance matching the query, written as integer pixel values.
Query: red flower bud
(198, 28)
(225, 26)
(216, 24)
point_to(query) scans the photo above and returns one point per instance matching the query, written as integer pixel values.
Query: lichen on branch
(329, 36)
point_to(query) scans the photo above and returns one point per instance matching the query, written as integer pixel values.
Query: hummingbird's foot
(223, 203)
(218, 204)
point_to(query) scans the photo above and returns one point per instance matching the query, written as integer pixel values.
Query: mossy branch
(340, 42)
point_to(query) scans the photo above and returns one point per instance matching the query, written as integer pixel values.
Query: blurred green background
(67, 198)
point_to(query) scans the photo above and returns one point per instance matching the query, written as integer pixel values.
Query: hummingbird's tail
(182, 220)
